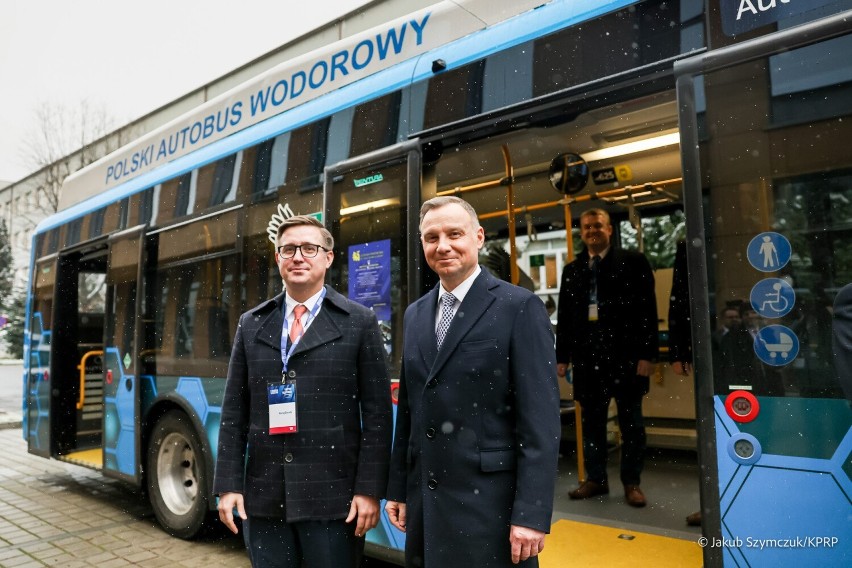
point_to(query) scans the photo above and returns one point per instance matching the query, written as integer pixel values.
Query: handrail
(515, 274)
(82, 368)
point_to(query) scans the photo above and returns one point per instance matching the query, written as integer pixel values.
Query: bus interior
(640, 188)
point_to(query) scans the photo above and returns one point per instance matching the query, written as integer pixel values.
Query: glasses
(308, 250)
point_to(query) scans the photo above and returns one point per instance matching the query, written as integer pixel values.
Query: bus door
(768, 191)
(371, 208)
(122, 391)
(76, 355)
(529, 185)
(37, 419)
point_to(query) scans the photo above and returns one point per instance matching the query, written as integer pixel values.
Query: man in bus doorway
(307, 399)
(477, 433)
(607, 329)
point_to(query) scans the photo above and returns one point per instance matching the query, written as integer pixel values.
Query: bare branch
(59, 143)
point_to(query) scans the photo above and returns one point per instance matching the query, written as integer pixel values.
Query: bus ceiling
(630, 149)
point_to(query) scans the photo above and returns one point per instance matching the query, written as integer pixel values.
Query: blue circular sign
(776, 345)
(769, 251)
(772, 298)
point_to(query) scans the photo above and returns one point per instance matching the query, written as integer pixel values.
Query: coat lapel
(326, 326)
(271, 321)
(474, 305)
(424, 320)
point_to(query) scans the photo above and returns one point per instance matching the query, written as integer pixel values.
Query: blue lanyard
(285, 334)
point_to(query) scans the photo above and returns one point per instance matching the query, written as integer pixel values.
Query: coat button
(430, 433)
(433, 484)
(291, 374)
(288, 458)
(432, 382)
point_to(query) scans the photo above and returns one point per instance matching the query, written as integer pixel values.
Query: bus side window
(197, 318)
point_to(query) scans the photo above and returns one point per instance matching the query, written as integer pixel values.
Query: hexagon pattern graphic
(797, 500)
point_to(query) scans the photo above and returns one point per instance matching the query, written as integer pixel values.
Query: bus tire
(177, 476)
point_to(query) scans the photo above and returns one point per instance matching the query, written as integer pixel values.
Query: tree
(12, 334)
(660, 236)
(11, 302)
(60, 143)
(6, 267)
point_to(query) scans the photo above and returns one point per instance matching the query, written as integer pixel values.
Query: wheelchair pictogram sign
(776, 345)
(772, 298)
(769, 251)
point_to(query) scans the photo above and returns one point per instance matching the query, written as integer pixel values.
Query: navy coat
(477, 432)
(344, 413)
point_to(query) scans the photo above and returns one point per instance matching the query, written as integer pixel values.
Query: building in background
(24, 203)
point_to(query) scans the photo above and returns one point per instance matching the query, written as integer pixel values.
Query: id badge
(282, 408)
(593, 312)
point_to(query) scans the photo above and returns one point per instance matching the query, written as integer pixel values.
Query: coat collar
(470, 311)
(326, 327)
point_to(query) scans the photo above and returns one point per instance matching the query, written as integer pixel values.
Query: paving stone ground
(58, 514)
(54, 513)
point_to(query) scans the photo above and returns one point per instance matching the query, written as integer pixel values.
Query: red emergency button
(742, 406)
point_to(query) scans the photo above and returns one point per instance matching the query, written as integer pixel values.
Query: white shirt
(459, 292)
(601, 254)
(306, 318)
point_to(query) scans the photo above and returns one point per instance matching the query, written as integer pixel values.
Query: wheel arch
(160, 407)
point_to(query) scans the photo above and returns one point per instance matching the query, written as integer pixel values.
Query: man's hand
(682, 368)
(644, 368)
(366, 510)
(396, 514)
(561, 369)
(526, 542)
(227, 502)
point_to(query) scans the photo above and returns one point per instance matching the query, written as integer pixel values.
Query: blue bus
(721, 123)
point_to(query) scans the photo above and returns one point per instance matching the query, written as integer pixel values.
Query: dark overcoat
(344, 414)
(605, 354)
(842, 338)
(477, 431)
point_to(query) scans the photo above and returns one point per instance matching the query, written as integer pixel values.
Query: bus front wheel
(177, 485)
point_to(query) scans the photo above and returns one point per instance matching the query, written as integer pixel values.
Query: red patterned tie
(296, 330)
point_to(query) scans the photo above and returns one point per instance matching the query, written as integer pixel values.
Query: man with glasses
(305, 436)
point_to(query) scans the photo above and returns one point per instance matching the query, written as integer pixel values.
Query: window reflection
(777, 163)
(196, 318)
(215, 183)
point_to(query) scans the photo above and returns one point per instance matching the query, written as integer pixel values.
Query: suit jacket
(344, 414)
(680, 332)
(605, 353)
(477, 431)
